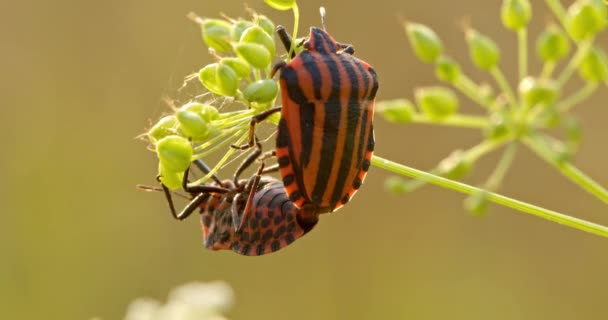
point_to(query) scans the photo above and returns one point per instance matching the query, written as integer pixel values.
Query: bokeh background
(80, 80)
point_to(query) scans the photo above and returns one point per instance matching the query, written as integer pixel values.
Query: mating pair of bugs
(324, 147)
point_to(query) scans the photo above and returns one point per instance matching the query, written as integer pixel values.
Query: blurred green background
(80, 80)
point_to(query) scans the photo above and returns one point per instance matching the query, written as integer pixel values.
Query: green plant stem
(504, 86)
(576, 98)
(548, 68)
(558, 10)
(455, 120)
(581, 52)
(220, 163)
(540, 146)
(499, 173)
(494, 197)
(296, 22)
(471, 90)
(522, 40)
(470, 156)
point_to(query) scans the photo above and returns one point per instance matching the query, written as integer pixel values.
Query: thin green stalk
(296, 22)
(470, 156)
(522, 40)
(558, 10)
(539, 145)
(455, 120)
(494, 197)
(503, 166)
(504, 86)
(548, 68)
(576, 98)
(471, 90)
(219, 164)
(581, 52)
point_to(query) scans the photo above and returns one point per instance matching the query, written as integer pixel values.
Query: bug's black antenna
(322, 12)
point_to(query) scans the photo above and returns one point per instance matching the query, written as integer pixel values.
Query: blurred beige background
(81, 79)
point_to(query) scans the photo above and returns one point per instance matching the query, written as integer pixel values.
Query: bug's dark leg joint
(279, 66)
(346, 48)
(191, 207)
(254, 121)
(247, 162)
(273, 168)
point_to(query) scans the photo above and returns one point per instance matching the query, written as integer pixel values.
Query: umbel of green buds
(216, 34)
(265, 23)
(426, 43)
(515, 14)
(585, 18)
(447, 69)
(483, 51)
(398, 111)
(538, 91)
(262, 91)
(552, 44)
(238, 65)
(594, 67)
(238, 27)
(437, 103)
(281, 4)
(174, 153)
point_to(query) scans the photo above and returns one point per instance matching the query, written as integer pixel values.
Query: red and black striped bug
(250, 216)
(325, 136)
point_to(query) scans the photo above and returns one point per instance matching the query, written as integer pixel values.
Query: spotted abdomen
(273, 222)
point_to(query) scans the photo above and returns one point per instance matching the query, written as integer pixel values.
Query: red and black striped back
(325, 136)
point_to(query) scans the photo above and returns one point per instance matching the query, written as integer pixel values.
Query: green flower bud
(174, 152)
(216, 34)
(191, 122)
(477, 203)
(398, 111)
(208, 77)
(164, 127)
(426, 43)
(585, 18)
(437, 103)
(261, 91)
(257, 35)
(238, 28)
(281, 4)
(447, 69)
(594, 67)
(483, 51)
(396, 185)
(552, 44)
(515, 14)
(538, 91)
(266, 24)
(227, 80)
(238, 65)
(209, 113)
(455, 166)
(171, 179)
(255, 54)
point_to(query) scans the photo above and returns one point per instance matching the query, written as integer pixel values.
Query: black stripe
(290, 76)
(363, 130)
(372, 72)
(322, 42)
(353, 115)
(307, 123)
(331, 124)
(310, 65)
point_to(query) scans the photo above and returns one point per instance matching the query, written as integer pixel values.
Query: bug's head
(320, 41)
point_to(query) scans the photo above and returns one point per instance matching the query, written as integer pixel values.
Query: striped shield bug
(249, 216)
(325, 136)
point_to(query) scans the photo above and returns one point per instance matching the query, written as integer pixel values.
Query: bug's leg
(247, 162)
(254, 121)
(286, 40)
(346, 48)
(271, 169)
(251, 188)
